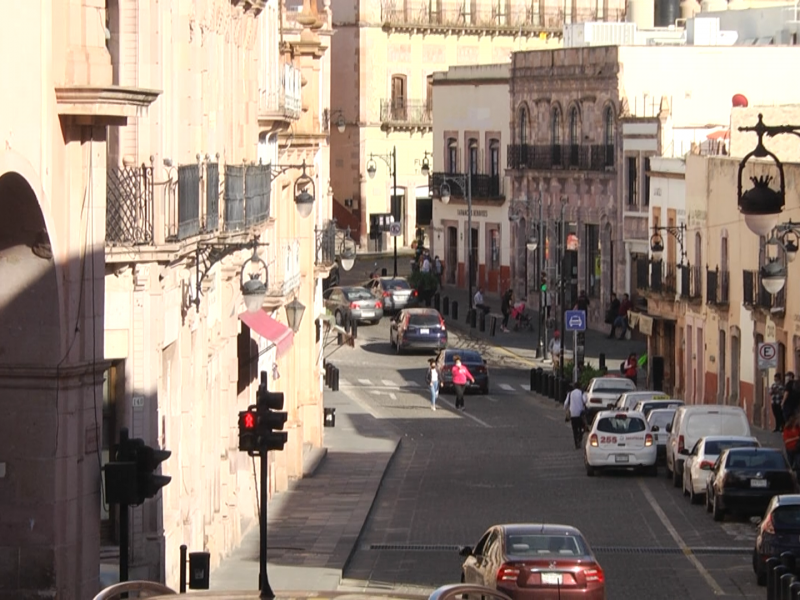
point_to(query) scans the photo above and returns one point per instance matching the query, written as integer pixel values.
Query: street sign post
(575, 321)
(767, 356)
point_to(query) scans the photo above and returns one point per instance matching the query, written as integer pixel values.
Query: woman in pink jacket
(460, 376)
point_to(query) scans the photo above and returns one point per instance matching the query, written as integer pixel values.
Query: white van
(690, 423)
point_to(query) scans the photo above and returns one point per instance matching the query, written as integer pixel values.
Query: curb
(312, 460)
(357, 541)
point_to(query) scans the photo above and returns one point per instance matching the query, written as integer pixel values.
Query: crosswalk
(395, 385)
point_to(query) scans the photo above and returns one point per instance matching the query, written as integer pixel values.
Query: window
(608, 135)
(633, 188)
(494, 249)
(472, 168)
(621, 425)
(574, 136)
(522, 125)
(647, 181)
(592, 247)
(429, 98)
(494, 158)
(452, 156)
(555, 137)
(398, 97)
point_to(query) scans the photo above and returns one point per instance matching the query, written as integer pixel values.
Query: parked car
(744, 480)
(417, 328)
(645, 406)
(603, 392)
(690, 423)
(778, 532)
(620, 440)
(394, 292)
(629, 399)
(536, 560)
(658, 419)
(698, 464)
(471, 359)
(352, 302)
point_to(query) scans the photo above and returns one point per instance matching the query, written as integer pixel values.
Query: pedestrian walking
(630, 368)
(506, 305)
(554, 347)
(575, 406)
(776, 393)
(438, 269)
(791, 437)
(621, 320)
(432, 378)
(612, 313)
(460, 376)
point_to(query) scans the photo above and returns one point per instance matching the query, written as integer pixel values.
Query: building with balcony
(53, 190)
(587, 121)
(202, 198)
(468, 153)
(381, 89)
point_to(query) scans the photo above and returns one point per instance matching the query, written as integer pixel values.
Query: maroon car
(535, 560)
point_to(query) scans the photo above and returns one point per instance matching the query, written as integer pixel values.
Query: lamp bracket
(279, 169)
(389, 158)
(676, 231)
(207, 254)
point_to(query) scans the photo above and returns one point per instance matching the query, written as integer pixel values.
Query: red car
(535, 560)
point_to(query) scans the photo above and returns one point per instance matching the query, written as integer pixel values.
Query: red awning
(267, 327)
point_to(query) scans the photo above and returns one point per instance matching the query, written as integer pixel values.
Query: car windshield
(613, 386)
(786, 516)
(699, 425)
(395, 284)
(547, 545)
(620, 425)
(648, 406)
(357, 294)
(756, 460)
(661, 418)
(423, 320)
(717, 447)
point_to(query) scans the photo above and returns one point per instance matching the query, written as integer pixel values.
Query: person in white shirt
(555, 347)
(426, 264)
(575, 405)
(432, 377)
(477, 301)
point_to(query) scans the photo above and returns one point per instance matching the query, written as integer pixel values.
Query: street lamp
(391, 161)
(773, 276)
(294, 314)
(657, 242)
(341, 124)
(327, 249)
(253, 290)
(303, 199)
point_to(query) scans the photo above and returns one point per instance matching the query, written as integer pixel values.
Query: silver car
(353, 302)
(628, 400)
(395, 292)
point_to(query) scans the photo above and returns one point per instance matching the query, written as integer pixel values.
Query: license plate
(367, 313)
(621, 458)
(424, 331)
(552, 578)
(758, 483)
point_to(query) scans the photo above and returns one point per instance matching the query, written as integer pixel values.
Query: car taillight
(593, 440)
(706, 465)
(648, 439)
(379, 304)
(386, 294)
(594, 575)
(680, 443)
(507, 572)
(415, 293)
(353, 305)
(768, 526)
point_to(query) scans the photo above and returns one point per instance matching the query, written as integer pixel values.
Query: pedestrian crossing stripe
(505, 386)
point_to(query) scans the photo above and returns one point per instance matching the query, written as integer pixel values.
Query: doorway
(451, 255)
(722, 397)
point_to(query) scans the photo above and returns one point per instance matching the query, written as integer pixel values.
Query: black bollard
(788, 560)
(533, 379)
(775, 588)
(437, 301)
(325, 370)
(769, 567)
(446, 305)
(539, 378)
(794, 591)
(472, 318)
(492, 325)
(335, 386)
(454, 309)
(556, 389)
(384, 272)
(481, 321)
(354, 329)
(602, 361)
(786, 585)
(551, 386)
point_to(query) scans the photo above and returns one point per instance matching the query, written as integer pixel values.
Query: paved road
(510, 458)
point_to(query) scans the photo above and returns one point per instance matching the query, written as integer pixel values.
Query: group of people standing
(460, 374)
(506, 305)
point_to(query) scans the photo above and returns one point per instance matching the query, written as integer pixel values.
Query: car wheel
(709, 508)
(694, 498)
(667, 469)
(761, 574)
(589, 470)
(339, 318)
(676, 479)
(716, 511)
(485, 389)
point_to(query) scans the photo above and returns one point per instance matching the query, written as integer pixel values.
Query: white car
(698, 464)
(620, 440)
(628, 400)
(659, 418)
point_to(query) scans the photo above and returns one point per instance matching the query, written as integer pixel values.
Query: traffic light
(271, 419)
(248, 430)
(147, 461)
(130, 477)
(543, 284)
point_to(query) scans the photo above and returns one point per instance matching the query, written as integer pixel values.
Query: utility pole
(394, 194)
(562, 280)
(542, 292)
(470, 266)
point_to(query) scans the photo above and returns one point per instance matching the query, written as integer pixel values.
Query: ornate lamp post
(391, 161)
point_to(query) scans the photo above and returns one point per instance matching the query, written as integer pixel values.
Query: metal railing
(234, 198)
(406, 112)
(326, 244)
(129, 205)
(286, 98)
(594, 157)
(188, 201)
(483, 186)
(642, 275)
(257, 194)
(749, 281)
(212, 196)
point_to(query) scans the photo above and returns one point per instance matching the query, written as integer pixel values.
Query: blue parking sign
(575, 320)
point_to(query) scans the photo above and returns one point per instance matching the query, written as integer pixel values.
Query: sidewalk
(313, 528)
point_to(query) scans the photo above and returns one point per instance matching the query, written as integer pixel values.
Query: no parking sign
(767, 356)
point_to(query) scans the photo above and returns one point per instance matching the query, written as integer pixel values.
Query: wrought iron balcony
(692, 282)
(546, 157)
(129, 211)
(485, 187)
(247, 195)
(284, 101)
(717, 287)
(400, 113)
(326, 245)
(466, 17)
(754, 295)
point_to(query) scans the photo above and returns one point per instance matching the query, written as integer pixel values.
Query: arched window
(608, 135)
(472, 167)
(494, 157)
(574, 136)
(555, 136)
(522, 125)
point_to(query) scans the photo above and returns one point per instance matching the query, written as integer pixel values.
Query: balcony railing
(483, 186)
(129, 211)
(212, 196)
(755, 294)
(642, 275)
(326, 245)
(547, 157)
(400, 112)
(247, 195)
(188, 201)
(749, 281)
(286, 99)
(465, 16)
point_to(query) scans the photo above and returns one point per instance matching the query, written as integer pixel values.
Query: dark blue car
(778, 532)
(418, 328)
(471, 359)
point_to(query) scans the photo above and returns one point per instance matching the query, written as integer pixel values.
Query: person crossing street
(575, 406)
(460, 376)
(432, 378)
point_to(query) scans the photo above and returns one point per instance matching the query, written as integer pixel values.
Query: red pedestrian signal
(249, 420)
(248, 430)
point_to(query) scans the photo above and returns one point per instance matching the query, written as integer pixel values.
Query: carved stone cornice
(104, 104)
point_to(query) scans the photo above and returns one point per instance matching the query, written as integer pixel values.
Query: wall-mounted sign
(462, 212)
